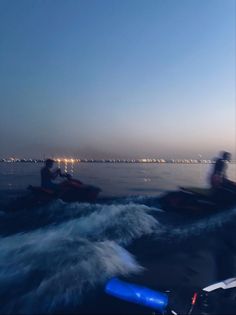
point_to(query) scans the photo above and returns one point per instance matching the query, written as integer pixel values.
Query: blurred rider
(48, 176)
(218, 178)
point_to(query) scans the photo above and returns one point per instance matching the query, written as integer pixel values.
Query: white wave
(53, 267)
(45, 271)
(121, 223)
(207, 224)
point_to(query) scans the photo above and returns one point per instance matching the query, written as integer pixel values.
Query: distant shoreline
(114, 161)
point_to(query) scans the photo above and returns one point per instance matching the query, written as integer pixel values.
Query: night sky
(117, 78)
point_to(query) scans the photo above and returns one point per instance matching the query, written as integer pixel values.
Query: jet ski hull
(196, 201)
(70, 191)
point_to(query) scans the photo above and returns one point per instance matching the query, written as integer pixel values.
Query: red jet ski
(71, 190)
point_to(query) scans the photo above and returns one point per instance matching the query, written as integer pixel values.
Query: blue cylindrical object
(137, 294)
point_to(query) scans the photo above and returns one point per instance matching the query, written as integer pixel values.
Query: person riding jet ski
(218, 178)
(48, 176)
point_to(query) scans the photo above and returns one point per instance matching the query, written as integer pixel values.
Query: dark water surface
(56, 259)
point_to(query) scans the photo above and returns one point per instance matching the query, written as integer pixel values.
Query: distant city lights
(72, 161)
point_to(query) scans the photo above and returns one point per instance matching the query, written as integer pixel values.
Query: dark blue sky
(117, 78)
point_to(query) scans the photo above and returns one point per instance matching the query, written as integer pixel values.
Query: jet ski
(71, 190)
(204, 300)
(194, 200)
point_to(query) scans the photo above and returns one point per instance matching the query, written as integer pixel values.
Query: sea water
(57, 258)
(116, 178)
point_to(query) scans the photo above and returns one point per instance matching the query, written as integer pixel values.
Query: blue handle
(137, 294)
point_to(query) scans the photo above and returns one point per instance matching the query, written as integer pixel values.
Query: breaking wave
(53, 267)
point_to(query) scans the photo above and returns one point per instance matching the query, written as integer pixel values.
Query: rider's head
(49, 163)
(226, 156)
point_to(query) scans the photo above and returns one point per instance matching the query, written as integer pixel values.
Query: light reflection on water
(115, 179)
